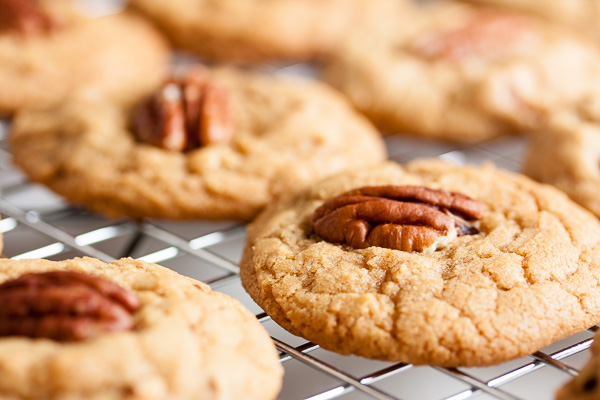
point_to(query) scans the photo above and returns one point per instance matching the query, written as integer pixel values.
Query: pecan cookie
(566, 153)
(210, 144)
(251, 31)
(48, 50)
(82, 329)
(463, 73)
(586, 385)
(427, 263)
(583, 15)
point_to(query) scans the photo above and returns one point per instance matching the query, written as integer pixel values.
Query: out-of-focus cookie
(582, 15)
(428, 263)
(48, 51)
(252, 31)
(463, 73)
(565, 153)
(84, 329)
(211, 144)
(586, 385)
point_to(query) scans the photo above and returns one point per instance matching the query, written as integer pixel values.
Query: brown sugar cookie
(427, 263)
(463, 73)
(253, 31)
(565, 153)
(212, 144)
(84, 329)
(48, 51)
(583, 15)
(584, 386)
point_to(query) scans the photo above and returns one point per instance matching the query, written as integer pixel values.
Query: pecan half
(24, 16)
(185, 114)
(408, 218)
(487, 35)
(64, 306)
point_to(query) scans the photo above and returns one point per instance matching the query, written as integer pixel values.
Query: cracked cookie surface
(187, 342)
(120, 56)
(528, 278)
(286, 133)
(463, 73)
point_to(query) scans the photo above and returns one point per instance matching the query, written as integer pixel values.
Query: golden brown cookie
(48, 51)
(253, 31)
(84, 329)
(220, 144)
(582, 15)
(584, 386)
(463, 73)
(565, 153)
(427, 263)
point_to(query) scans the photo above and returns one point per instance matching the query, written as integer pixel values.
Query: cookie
(48, 51)
(252, 31)
(239, 140)
(579, 14)
(427, 263)
(585, 385)
(565, 153)
(128, 329)
(463, 73)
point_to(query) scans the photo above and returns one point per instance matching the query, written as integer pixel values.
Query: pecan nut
(64, 306)
(185, 114)
(160, 120)
(408, 218)
(488, 35)
(24, 16)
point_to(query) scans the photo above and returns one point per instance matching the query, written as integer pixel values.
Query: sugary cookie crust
(529, 279)
(286, 133)
(188, 343)
(119, 56)
(566, 153)
(255, 31)
(466, 100)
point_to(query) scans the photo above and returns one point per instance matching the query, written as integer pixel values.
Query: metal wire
(387, 381)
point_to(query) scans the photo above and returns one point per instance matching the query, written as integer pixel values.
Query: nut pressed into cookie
(463, 73)
(48, 51)
(64, 306)
(252, 31)
(500, 265)
(213, 144)
(84, 329)
(566, 153)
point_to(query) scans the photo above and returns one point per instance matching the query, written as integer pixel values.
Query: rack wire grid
(38, 224)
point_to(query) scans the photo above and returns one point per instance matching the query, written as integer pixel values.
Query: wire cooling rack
(38, 224)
